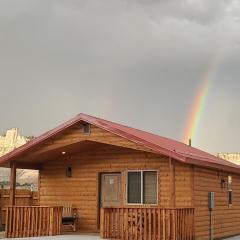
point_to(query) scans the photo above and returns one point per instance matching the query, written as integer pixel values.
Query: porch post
(12, 184)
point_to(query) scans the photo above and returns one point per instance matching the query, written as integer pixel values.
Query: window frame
(142, 192)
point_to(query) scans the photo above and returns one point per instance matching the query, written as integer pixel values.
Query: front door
(110, 189)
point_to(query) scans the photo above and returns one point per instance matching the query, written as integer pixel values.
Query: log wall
(183, 185)
(226, 219)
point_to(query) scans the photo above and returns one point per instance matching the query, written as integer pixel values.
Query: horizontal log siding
(81, 188)
(183, 185)
(226, 220)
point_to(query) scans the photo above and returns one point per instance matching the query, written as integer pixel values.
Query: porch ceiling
(34, 159)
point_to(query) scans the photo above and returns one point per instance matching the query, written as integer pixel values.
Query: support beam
(25, 165)
(12, 184)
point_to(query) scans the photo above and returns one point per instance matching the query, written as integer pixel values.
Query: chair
(69, 215)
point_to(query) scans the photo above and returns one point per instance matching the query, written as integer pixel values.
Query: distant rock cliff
(231, 157)
(8, 142)
(11, 140)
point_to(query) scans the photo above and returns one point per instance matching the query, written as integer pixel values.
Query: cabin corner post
(12, 184)
(172, 182)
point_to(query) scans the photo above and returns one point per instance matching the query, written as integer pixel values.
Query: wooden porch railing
(33, 221)
(139, 223)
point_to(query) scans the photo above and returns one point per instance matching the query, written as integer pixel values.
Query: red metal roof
(158, 144)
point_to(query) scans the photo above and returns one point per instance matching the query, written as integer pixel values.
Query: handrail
(149, 206)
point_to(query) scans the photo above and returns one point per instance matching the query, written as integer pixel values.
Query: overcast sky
(137, 62)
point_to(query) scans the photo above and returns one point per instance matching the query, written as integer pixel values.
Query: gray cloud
(202, 12)
(138, 62)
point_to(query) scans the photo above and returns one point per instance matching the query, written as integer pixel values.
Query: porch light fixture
(69, 172)
(63, 153)
(223, 183)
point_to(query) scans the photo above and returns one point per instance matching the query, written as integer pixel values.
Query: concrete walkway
(76, 237)
(233, 238)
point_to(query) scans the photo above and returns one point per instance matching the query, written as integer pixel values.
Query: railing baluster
(15, 223)
(140, 224)
(107, 223)
(150, 223)
(154, 224)
(21, 222)
(145, 224)
(131, 223)
(159, 224)
(40, 221)
(136, 224)
(174, 224)
(164, 223)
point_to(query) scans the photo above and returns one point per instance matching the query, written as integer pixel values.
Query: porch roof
(155, 143)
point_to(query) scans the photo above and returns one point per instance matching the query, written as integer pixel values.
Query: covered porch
(40, 220)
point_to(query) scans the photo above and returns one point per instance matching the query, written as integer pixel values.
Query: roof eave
(215, 166)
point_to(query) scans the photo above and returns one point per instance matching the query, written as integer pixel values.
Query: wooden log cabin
(125, 184)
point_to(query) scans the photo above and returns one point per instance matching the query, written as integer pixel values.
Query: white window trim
(141, 171)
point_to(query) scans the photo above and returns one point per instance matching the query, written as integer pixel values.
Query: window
(142, 187)
(134, 187)
(230, 198)
(86, 128)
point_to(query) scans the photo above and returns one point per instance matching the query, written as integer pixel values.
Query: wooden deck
(33, 221)
(139, 223)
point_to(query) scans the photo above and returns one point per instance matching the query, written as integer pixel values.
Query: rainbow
(198, 105)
